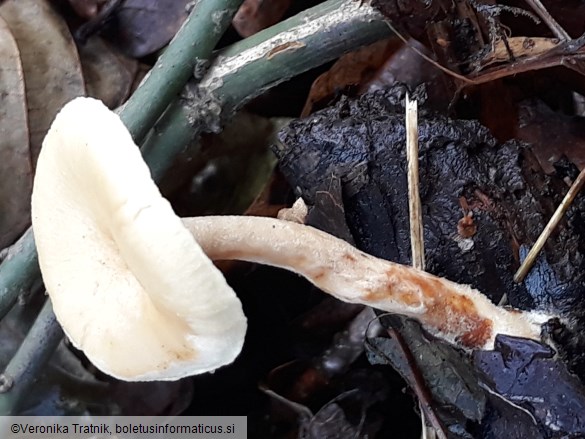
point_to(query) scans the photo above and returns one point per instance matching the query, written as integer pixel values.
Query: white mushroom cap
(129, 284)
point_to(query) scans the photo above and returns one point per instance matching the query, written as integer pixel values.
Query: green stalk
(34, 352)
(256, 64)
(18, 272)
(191, 48)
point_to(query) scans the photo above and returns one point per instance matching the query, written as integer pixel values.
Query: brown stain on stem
(446, 311)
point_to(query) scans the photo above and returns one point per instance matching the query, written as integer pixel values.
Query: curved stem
(454, 312)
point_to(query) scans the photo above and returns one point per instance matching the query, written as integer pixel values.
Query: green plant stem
(256, 64)
(18, 272)
(191, 47)
(34, 352)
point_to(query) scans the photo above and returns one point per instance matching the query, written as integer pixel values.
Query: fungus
(129, 284)
(133, 289)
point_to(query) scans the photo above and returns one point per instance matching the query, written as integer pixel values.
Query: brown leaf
(350, 70)
(552, 135)
(52, 71)
(87, 9)
(519, 47)
(15, 163)
(407, 65)
(109, 75)
(145, 26)
(255, 15)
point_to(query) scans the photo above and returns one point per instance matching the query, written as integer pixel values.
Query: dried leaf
(87, 9)
(552, 135)
(352, 69)
(519, 47)
(407, 66)
(447, 374)
(528, 375)
(52, 71)
(327, 212)
(255, 15)
(145, 26)
(15, 163)
(109, 75)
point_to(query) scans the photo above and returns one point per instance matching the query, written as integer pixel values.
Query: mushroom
(128, 282)
(134, 290)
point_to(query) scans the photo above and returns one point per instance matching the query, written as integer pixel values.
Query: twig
(549, 228)
(417, 243)
(552, 24)
(18, 272)
(418, 383)
(34, 352)
(89, 28)
(253, 66)
(414, 205)
(192, 45)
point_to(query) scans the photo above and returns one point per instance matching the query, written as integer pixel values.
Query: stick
(417, 244)
(550, 227)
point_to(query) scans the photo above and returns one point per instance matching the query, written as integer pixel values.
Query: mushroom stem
(454, 312)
